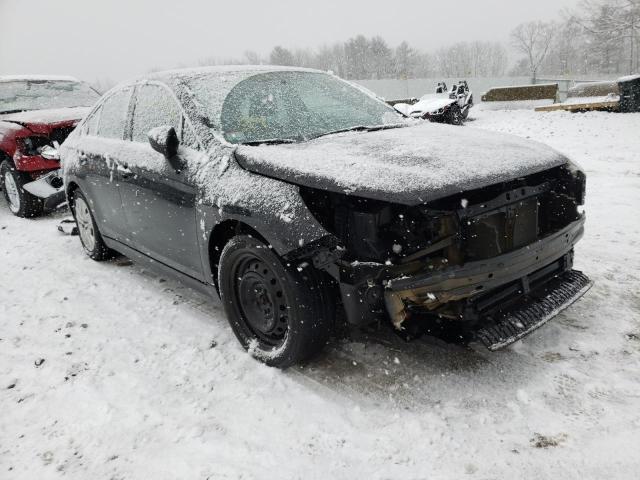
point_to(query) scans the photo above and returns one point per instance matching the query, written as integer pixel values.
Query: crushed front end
(498, 260)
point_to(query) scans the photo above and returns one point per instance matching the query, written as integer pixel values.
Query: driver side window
(154, 108)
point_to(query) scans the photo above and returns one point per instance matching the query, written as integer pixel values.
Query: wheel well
(4, 156)
(72, 187)
(220, 236)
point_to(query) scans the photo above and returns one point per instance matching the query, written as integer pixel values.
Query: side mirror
(164, 140)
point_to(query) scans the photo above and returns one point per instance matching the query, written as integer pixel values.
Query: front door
(159, 202)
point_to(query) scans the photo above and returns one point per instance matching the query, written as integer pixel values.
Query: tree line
(363, 58)
(597, 37)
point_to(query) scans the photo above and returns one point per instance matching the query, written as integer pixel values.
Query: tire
(454, 115)
(469, 104)
(21, 203)
(90, 236)
(280, 316)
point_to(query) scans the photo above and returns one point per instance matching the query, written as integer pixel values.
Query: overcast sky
(116, 39)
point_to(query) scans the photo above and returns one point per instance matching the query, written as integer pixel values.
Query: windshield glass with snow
(17, 96)
(290, 106)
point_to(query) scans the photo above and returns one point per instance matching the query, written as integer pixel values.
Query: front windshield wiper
(360, 128)
(270, 141)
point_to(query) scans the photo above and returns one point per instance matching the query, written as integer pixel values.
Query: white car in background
(446, 106)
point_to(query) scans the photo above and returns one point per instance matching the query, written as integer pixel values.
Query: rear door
(159, 202)
(98, 151)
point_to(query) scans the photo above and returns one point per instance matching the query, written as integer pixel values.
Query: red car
(37, 113)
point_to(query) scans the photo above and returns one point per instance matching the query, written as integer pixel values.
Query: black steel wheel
(281, 316)
(454, 115)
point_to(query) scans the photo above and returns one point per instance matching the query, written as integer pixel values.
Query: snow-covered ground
(108, 371)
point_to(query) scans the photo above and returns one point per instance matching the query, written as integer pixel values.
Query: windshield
(290, 106)
(17, 96)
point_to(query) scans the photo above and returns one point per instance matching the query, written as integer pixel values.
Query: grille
(502, 230)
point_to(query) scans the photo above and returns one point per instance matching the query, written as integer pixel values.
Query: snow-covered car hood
(46, 117)
(409, 165)
(431, 103)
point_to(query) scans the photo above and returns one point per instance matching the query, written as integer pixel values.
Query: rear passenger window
(113, 117)
(91, 125)
(155, 107)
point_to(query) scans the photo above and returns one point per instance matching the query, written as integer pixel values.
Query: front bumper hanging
(49, 188)
(537, 309)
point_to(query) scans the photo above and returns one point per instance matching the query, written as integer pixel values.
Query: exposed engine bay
(460, 258)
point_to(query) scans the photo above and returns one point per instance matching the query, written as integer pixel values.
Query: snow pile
(611, 97)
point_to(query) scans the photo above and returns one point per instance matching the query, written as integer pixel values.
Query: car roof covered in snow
(203, 90)
(36, 78)
(223, 70)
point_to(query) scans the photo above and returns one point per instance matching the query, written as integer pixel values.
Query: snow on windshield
(35, 94)
(284, 105)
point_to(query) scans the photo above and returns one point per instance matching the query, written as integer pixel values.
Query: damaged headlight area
(475, 257)
(31, 146)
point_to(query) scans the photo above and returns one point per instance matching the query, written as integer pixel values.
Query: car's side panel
(96, 174)
(160, 268)
(93, 161)
(159, 206)
(271, 207)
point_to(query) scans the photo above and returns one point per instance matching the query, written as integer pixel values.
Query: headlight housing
(578, 181)
(30, 146)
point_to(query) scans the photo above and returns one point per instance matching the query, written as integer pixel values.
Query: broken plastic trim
(50, 188)
(458, 282)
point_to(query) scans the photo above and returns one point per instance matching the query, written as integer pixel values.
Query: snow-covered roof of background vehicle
(36, 78)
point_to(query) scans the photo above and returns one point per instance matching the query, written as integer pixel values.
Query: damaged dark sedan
(299, 197)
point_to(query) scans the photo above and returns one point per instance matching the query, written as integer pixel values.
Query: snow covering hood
(46, 117)
(409, 165)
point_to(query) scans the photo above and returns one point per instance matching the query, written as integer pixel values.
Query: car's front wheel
(454, 115)
(90, 236)
(281, 316)
(21, 203)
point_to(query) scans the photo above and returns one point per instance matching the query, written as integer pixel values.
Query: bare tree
(252, 57)
(405, 61)
(533, 39)
(614, 26)
(281, 56)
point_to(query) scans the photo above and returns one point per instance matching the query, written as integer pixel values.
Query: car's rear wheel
(90, 236)
(21, 203)
(281, 316)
